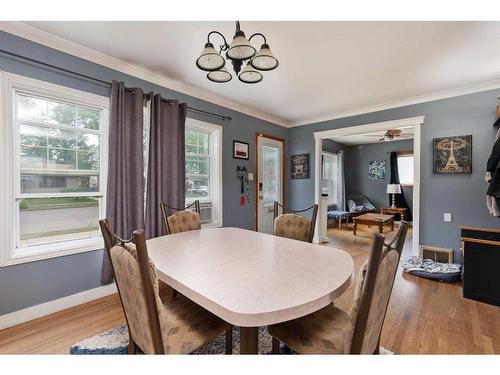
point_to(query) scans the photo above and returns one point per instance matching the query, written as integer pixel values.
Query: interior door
(269, 180)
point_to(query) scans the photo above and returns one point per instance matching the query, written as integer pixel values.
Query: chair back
(137, 285)
(183, 220)
(291, 225)
(374, 289)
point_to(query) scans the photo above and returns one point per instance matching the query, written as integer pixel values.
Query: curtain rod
(97, 80)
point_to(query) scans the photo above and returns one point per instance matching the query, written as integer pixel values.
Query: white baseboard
(37, 311)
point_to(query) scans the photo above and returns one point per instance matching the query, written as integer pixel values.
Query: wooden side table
(392, 211)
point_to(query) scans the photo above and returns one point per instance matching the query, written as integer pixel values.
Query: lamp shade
(250, 75)
(240, 48)
(393, 189)
(264, 59)
(209, 59)
(220, 76)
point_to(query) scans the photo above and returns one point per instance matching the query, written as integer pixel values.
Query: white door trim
(416, 122)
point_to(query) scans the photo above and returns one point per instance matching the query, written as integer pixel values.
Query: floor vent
(437, 254)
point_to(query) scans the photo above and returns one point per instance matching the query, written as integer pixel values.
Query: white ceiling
(373, 137)
(326, 68)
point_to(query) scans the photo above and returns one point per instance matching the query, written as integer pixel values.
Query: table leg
(392, 225)
(380, 228)
(354, 227)
(249, 340)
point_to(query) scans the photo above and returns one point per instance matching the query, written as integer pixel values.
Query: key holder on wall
(242, 175)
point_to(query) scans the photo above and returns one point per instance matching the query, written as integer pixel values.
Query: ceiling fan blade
(373, 135)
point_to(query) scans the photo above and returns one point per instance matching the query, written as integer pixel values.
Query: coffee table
(374, 219)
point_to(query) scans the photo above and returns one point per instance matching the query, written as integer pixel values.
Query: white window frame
(12, 84)
(328, 153)
(215, 145)
(406, 155)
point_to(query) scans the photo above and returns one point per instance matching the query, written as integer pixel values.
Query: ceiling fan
(391, 135)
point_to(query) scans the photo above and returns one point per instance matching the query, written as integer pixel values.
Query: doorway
(269, 180)
(414, 122)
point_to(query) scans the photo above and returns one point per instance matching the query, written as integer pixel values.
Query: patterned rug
(115, 341)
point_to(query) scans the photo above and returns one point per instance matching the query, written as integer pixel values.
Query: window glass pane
(87, 118)
(33, 136)
(62, 139)
(62, 159)
(54, 183)
(61, 114)
(197, 186)
(197, 142)
(329, 179)
(48, 220)
(270, 188)
(32, 109)
(405, 170)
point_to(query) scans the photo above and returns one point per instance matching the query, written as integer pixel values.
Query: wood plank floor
(424, 316)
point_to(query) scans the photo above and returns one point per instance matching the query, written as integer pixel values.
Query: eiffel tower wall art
(452, 155)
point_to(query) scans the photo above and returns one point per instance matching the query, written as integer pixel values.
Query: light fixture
(250, 74)
(220, 76)
(239, 51)
(393, 189)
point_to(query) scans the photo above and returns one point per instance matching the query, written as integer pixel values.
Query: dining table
(251, 279)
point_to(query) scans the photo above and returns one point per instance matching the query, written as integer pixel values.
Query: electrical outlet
(447, 217)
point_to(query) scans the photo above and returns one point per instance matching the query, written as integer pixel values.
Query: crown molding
(64, 45)
(470, 89)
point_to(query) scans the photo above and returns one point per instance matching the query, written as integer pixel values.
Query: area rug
(115, 341)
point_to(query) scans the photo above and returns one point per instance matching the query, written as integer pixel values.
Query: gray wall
(462, 195)
(356, 161)
(33, 283)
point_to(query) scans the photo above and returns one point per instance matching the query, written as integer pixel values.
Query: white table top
(251, 279)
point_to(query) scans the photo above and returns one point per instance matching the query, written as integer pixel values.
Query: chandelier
(237, 52)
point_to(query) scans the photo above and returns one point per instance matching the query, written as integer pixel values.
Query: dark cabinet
(482, 264)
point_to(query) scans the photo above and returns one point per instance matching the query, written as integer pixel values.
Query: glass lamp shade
(219, 76)
(250, 75)
(240, 48)
(209, 59)
(264, 59)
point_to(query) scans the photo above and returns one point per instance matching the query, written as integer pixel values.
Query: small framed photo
(240, 150)
(300, 166)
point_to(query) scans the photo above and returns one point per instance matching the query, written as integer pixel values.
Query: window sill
(211, 225)
(42, 252)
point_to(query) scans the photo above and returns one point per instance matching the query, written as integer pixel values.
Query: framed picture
(300, 166)
(452, 155)
(240, 150)
(376, 170)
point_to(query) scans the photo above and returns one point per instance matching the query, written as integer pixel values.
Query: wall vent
(437, 254)
(205, 212)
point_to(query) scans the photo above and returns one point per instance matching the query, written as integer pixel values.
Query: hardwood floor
(424, 316)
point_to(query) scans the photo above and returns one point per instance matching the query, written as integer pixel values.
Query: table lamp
(393, 189)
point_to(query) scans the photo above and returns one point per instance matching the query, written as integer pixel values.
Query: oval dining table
(251, 279)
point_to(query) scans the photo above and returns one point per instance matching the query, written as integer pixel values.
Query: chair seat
(187, 326)
(327, 331)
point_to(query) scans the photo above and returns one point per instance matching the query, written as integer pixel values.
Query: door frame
(283, 172)
(416, 122)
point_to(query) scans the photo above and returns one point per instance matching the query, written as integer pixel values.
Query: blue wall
(462, 195)
(356, 161)
(33, 283)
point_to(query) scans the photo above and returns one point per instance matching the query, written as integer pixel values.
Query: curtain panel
(125, 185)
(166, 165)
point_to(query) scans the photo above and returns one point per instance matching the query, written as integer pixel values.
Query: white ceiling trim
(50, 40)
(53, 41)
(485, 86)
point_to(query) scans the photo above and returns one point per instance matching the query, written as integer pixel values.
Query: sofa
(356, 205)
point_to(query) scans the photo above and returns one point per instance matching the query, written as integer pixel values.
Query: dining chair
(335, 331)
(183, 220)
(156, 326)
(291, 225)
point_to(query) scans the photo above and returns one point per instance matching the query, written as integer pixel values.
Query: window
(56, 188)
(405, 169)
(329, 172)
(203, 169)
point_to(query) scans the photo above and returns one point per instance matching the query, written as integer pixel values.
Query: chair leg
(229, 341)
(132, 347)
(276, 346)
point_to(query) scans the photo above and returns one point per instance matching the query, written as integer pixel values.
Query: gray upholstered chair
(334, 331)
(291, 225)
(183, 220)
(156, 326)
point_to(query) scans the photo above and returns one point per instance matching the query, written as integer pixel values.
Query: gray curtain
(166, 165)
(125, 187)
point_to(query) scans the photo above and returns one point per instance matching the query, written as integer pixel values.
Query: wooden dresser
(481, 264)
